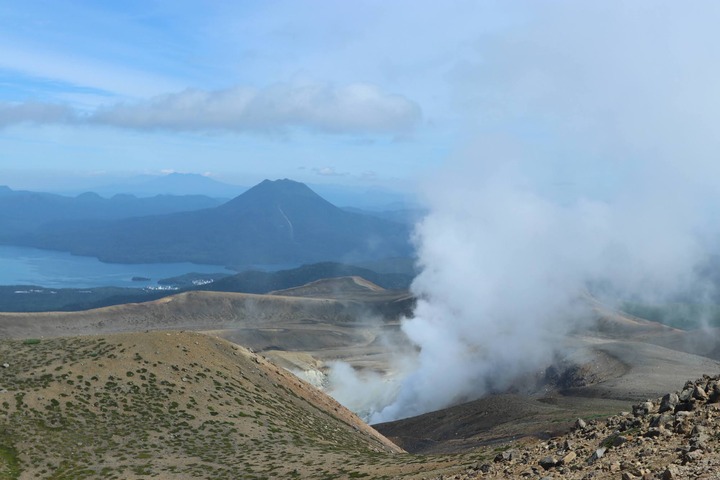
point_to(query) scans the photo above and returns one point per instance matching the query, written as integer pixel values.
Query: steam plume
(503, 272)
(591, 166)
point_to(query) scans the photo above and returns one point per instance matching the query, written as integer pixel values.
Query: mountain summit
(279, 194)
(275, 222)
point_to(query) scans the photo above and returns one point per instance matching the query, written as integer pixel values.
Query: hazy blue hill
(24, 211)
(408, 216)
(173, 184)
(275, 222)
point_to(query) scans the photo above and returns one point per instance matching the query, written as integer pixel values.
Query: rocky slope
(676, 436)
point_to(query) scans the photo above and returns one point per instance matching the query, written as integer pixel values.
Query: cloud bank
(348, 109)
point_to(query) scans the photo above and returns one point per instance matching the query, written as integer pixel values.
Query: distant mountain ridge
(275, 222)
(172, 184)
(365, 197)
(24, 211)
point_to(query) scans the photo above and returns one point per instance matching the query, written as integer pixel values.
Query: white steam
(503, 274)
(363, 393)
(593, 163)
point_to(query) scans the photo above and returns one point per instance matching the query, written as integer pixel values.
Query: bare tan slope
(192, 311)
(340, 287)
(325, 328)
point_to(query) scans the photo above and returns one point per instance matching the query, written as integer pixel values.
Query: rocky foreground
(673, 437)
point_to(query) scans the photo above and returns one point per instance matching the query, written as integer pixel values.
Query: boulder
(668, 402)
(699, 393)
(687, 392)
(642, 409)
(580, 424)
(548, 462)
(714, 392)
(597, 454)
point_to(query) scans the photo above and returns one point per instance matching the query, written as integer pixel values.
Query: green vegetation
(92, 407)
(39, 299)
(9, 468)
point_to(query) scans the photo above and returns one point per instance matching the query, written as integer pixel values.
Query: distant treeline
(24, 298)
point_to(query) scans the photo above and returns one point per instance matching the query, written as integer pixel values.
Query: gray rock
(671, 473)
(597, 454)
(506, 456)
(668, 402)
(699, 442)
(682, 427)
(693, 456)
(661, 420)
(548, 462)
(686, 394)
(614, 440)
(642, 409)
(714, 393)
(699, 393)
(685, 406)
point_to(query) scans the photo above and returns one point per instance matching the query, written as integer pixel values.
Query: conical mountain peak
(272, 192)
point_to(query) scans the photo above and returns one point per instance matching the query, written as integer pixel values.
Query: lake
(31, 266)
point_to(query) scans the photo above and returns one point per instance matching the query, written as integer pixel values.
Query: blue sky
(358, 93)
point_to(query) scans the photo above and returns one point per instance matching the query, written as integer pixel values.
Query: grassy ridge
(175, 405)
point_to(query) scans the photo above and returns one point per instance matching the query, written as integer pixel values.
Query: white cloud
(350, 109)
(328, 172)
(34, 112)
(355, 108)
